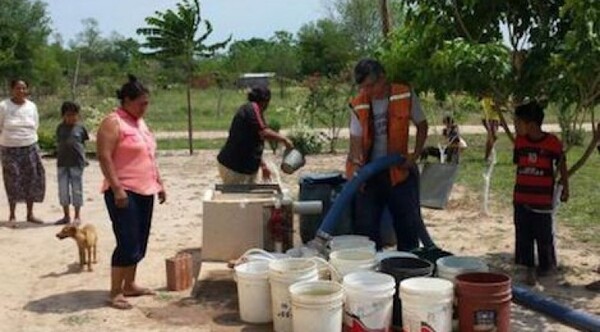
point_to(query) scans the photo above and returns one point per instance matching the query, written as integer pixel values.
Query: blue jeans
(70, 188)
(131, 226)
(403, 202)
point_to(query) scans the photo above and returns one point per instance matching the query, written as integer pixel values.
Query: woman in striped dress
(22, 169)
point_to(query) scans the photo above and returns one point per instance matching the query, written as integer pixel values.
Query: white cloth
(18, 124)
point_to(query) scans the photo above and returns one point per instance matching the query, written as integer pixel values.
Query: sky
(243, 19)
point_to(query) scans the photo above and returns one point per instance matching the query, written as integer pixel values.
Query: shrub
(47, 141)
(306, 140)
(275, 126)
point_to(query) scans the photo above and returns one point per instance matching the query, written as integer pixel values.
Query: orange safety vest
(398, 124)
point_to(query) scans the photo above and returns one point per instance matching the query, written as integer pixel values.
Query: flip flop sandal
(120, 304)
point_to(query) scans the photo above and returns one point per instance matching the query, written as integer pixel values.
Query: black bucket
(403, 268)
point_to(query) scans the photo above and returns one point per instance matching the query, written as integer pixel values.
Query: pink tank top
(134, 157)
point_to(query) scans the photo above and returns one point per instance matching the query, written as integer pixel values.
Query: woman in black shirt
(241, 157)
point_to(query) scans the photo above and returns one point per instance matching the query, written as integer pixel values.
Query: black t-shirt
(244, 147)
(71, 145)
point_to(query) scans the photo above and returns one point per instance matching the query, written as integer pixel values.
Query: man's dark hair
(259, 94)
(131, 90)
(366, 68)
(530, 112)
(69, 106)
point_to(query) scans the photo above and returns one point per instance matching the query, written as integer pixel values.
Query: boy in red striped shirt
(538, 156)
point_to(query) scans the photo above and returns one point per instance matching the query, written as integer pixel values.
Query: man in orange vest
(380, 120)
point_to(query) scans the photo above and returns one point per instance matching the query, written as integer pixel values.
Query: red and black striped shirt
(537, 163)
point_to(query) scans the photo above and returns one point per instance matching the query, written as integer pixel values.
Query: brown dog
(86, 239)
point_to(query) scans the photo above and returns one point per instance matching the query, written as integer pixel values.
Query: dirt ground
(43, 290)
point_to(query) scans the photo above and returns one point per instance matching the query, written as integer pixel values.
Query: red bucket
(484, 302)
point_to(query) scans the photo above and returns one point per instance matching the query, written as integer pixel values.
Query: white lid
(427, 287)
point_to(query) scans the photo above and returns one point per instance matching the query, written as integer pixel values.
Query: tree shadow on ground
(69, 302)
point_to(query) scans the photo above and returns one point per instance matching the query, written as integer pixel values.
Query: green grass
(168, 108)
(182, 144)
(580, 213)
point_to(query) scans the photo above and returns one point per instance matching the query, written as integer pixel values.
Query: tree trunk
(190, 129)
(586, 155)
(75, 78)
(385, 18)
(503, 123)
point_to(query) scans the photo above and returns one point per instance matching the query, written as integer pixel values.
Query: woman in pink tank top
(127, 153)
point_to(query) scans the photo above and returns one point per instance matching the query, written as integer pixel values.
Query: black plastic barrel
(322, 187)
(403, 268)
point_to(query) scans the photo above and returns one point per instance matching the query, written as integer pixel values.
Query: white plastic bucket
(256, 254)
(450, 267)
(282, 274)
(317, 306)
(369, 304)
(306, 252)
(351, 242)
(254, 291)
(303, 251)
(351, 260)
(426, 304)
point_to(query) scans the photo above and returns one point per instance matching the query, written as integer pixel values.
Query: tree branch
(588, 152)
(461, 22)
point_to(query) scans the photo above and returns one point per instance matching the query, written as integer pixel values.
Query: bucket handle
(335, 275)
(256, 253)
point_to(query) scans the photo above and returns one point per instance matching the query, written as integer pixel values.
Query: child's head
(528, 118)
(70, 112)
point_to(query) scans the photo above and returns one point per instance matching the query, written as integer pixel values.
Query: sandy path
(42, 289)
(344, 133)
